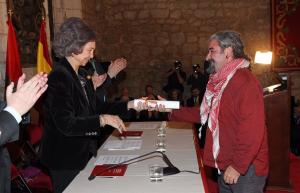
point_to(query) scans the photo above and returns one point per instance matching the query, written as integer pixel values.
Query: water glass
(155, 173)
(161, 131)
(161, 144)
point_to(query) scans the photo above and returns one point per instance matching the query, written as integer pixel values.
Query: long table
(180, 149)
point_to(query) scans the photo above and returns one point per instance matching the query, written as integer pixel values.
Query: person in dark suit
(18, 103)
(71, 122)
(198, 79)
(125, 97)
(176, 78)
(109, 72)
(195, 99)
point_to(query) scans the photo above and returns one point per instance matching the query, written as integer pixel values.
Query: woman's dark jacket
(70, 120)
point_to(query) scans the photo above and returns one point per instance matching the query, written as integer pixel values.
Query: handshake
(160, 105)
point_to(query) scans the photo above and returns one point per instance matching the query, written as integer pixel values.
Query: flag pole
(44, 63)
(13, 63)
(10, 12)
(6, 79)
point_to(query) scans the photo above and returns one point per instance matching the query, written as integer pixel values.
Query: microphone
(170, 170)
(97, 66)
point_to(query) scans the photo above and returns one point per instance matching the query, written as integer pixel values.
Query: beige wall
(153, 33)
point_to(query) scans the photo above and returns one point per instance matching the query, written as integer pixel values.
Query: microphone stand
(170, 170)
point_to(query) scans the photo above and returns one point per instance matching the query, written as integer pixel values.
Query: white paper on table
(123, 144)
(113, 159)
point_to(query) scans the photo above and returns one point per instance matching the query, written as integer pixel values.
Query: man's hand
(145, 105)
(231, 176)
(27, 93)
(161, 108)
(140, 106)
(98, 80)
(116, 66)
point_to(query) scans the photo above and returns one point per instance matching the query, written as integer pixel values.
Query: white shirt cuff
(14, 113)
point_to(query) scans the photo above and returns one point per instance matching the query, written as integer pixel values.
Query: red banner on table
(109, 170)
(131, 134)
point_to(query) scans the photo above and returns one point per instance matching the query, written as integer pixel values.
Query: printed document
(123, 144)
(113, 159)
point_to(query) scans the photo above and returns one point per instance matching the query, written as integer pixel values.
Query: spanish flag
(43, 60)
(13, 63)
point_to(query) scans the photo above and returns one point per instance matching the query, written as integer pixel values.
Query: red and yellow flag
(43, 60)
(13, 64)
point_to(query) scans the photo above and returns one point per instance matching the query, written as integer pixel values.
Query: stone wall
(63, 9)
(3, 44)
(151, 34)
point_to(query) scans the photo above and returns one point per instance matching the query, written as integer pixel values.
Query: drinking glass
(161, 144)
(161, 131)
(155, 173)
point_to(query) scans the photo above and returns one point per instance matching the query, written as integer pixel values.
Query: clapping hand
(98, 80)
(116, 66)
(27, 93)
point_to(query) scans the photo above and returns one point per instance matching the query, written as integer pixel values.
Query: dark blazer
(70, 120)
(190, 102)
(9, 129)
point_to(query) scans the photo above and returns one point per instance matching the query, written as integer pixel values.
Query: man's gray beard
(211, 67)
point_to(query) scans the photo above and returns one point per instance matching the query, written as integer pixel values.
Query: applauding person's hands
(116, 66)
(98, 80)
(27, 93)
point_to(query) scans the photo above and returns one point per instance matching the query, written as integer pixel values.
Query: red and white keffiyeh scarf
(209, 109)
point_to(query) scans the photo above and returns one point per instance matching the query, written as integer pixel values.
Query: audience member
(149, 115)
(149, 92)
(109, 71)
(18, 103)
(176, 77)
(176, 95)
(198, 80)
(125, 97)
(195, 99)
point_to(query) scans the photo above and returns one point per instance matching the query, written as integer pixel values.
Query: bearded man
(233, 108)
